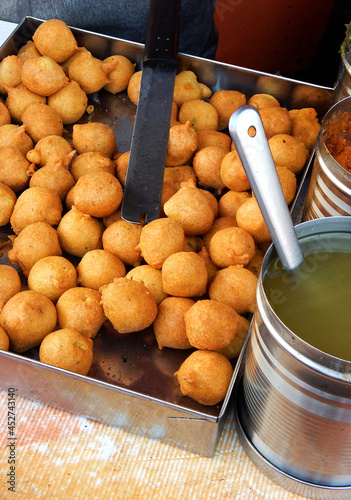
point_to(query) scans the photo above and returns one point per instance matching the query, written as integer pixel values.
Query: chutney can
(293, 401)
(329, 191)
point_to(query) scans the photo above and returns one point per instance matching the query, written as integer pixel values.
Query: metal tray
(131, 383)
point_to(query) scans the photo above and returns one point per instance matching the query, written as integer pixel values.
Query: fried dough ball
(10, 283)
(229, 202)
(201, 114)
(210, 266)
(10, 73)
(52, 276)
(43, 76)
(7, 202)
(206, 92)
(277, 87)
(261, 101)
(80, 308)
(174, 115)
(99, 267)
(54, 177)
(305, 126)
(288, 152)
(232, 172)
(119, 77)
(207, 164)
(226, 102)
(4, 340)
(98, 194)
(211, 324)
(121, 164)
(67, 349)
(70, 102)
(213, 138)
(133, 88)
(184, 274)
(249, 217)
(28, 51)
(94, 136)
(169, 232)
(79, 233)
(176, 175)
(212, 200)
(53, 38)
(36, 204)
(169, 325)
(236, 287)
(255, 263)
(89, 72)
(5, 117)
(186, 87)
(218, 224)
(19, 98)
(110, 219)
(66, 64)
(193, 244)
(233, 350)
(128, 304)
(205, 377)
(52, 149)
(182, 144)
(13, 136)
(190, 207)
(275, 120)
(122, 238)
(91, 161)
(231, 246)
(151, 278)
(167, 192)
(15, 169)
(288, 182)
(40, 120)
(34, 242)
(27, 318)
(308, 96)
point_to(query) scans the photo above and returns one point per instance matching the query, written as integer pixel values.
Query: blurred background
(295, 38)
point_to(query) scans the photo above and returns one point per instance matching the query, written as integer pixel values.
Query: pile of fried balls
(191, 273)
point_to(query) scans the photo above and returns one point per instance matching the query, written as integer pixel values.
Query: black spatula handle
(162, 34)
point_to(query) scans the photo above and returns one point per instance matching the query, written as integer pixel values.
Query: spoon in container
(247, 132)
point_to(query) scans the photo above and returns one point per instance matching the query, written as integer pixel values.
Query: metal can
(293, 401)
(329, 192)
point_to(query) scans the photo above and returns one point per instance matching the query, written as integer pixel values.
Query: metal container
(131, 383)
(292, 401)
(329, 192)
(343, 82)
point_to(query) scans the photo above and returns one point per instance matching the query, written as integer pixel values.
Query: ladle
(247, 132)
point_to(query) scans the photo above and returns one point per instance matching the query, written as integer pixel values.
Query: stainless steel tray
(131, 383)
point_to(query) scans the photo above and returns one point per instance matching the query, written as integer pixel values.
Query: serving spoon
(247, 133)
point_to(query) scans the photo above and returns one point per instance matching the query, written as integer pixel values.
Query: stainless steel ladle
(247, 132)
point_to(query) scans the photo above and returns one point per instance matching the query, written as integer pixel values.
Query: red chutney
(337, 138)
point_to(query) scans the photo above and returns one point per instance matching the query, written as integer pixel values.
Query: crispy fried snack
(205, 377)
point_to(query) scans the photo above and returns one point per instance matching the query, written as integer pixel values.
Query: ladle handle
(247, 132)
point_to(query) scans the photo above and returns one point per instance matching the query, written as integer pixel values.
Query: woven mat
(60, 456)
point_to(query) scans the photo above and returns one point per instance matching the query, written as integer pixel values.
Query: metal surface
(295, 401)
(131, 383)
(329, 192)
(144, 180)
(249, 137)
